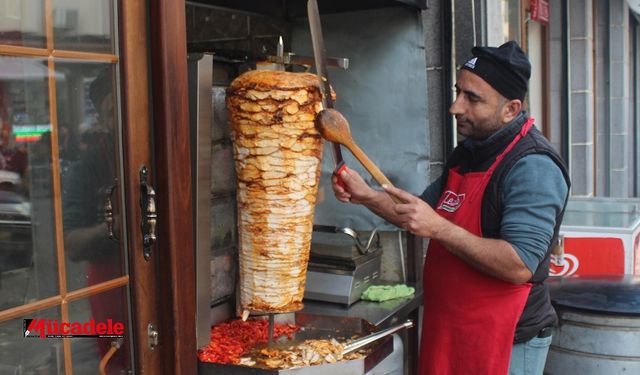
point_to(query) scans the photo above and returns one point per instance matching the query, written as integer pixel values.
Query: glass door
(65, 197)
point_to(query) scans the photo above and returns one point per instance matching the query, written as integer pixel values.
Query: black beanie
(506, 68)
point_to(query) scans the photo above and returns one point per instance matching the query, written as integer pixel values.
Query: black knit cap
(505, 68)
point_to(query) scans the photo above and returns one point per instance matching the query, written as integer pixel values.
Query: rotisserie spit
(277, 156)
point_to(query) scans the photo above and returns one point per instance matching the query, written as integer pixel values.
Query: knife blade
(320, 58)
(280, 54)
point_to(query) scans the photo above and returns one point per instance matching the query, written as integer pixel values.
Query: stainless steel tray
(317, 327)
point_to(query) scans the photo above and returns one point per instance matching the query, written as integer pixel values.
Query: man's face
(478, 107)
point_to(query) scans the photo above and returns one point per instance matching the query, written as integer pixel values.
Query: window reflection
(87, 352)
(28, 267)
(87, 120)
(511, 20)
(22, 23)
(20, 355)
(83, 25)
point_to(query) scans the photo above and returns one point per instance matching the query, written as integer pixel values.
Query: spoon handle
(370, 167)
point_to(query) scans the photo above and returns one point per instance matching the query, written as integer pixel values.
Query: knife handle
(338, 171)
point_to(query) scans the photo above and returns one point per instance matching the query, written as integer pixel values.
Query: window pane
(32, 355)
(83, 25)
(22, 23)
(511, 20)
(87, 352)
(87, 123)
(28, 266)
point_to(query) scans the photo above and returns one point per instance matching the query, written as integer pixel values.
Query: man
(492, 218)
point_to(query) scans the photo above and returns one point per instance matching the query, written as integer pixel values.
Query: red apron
(469, 317)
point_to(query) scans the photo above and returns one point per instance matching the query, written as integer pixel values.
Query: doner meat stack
(277, 157)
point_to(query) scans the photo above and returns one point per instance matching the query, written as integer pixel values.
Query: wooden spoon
(335, 128)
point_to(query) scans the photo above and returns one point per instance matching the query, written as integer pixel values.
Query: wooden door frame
(137, 147)
(173, 181)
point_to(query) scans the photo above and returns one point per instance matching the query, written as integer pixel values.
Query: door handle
(149, 213)
(108, 214)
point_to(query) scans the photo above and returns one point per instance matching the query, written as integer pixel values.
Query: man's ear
(510, 110)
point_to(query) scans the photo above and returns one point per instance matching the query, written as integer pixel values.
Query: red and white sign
(540, 11)
(590, 256)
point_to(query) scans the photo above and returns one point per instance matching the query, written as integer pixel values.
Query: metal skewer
(280, 54)
(271, 324)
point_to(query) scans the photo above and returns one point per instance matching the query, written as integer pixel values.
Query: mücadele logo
(51, 328)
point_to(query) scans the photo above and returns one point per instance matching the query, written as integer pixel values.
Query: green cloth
(381, 293)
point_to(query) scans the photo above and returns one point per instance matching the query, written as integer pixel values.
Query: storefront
(97, 178)
(108, 212)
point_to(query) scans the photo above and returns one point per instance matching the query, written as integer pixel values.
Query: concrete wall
(556, 73)
(611, 154)
(436, 78)
(618, 100)
(592, 113)
(535, 95)
(581, 97)
(636, 106)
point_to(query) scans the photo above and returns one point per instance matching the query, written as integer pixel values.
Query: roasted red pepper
(232, 339)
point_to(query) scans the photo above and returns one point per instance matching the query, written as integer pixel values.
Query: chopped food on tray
(308, 353)
(244, 343)
(232, 339)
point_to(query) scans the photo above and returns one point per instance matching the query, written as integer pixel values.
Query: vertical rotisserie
(277, 156)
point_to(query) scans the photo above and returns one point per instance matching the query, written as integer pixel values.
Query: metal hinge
(152, 334)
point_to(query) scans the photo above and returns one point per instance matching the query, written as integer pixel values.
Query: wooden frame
(137, 141)
(172, 156)
(137, 151)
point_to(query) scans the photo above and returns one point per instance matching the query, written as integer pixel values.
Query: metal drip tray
(317, 327)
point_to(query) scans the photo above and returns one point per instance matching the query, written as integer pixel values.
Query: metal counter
(383, 315)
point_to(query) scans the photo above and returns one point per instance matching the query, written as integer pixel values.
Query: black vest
(538, 312)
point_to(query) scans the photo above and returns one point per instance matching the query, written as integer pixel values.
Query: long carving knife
(320, 58)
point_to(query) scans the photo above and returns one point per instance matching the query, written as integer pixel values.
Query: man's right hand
(356, 189)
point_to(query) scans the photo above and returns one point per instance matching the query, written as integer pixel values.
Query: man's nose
(456, 106)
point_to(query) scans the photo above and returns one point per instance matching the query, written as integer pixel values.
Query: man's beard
(480, 131)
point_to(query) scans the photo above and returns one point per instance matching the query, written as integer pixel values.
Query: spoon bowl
(335, 128)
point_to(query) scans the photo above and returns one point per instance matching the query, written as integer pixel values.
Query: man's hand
(415, 215)
(357, 191)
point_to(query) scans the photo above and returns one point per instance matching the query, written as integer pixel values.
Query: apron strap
(525, 129)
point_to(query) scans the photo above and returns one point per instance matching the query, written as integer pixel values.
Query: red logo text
(52, 328)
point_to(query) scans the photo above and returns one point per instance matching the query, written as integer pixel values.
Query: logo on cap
(471, 64)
